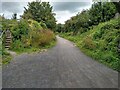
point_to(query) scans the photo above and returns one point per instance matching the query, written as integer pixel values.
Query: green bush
(17, 45)
(6, 57)
(19, 30)
(34, 25)
(88, 43)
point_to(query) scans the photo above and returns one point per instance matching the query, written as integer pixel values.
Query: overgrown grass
(35, 49)
(6, 57)
(101, 43)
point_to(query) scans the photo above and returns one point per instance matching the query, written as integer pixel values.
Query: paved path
(63, 66)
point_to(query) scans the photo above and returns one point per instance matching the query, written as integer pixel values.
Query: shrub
(34, 25)
(97, 35)
(19, 30)
(17, 45)
(88, 43)
(42, 37)
(43, 25)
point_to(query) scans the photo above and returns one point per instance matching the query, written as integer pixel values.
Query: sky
(63, 9)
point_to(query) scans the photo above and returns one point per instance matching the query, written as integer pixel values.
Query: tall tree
(41, 12)
(102, 11)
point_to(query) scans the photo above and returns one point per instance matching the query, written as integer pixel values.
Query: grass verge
(6, 57)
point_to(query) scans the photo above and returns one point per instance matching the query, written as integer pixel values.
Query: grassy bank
(35, 49)
(5, 57)
(101, 43)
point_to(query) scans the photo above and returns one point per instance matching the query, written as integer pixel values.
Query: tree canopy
(99, 12)
(41, 12)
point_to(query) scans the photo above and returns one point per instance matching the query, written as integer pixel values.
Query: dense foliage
(82, 22)
(28, 34)
(41, 12)
(59, 28)
(117, 4)
(101, 12)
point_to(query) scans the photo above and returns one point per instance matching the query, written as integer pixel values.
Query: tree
(79, 23)
(59, 27)
(14, 16)
(83, 22)
(117, 4)
(41, 12)
(101, 12)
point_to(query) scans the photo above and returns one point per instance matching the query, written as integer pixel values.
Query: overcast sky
(63, 9)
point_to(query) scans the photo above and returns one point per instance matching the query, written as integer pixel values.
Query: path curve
(63, 66)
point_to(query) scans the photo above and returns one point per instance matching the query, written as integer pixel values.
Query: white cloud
(62, 16)
(8, 8)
